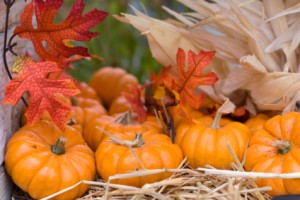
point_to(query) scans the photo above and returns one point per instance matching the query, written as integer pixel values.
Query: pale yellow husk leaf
(256, 42)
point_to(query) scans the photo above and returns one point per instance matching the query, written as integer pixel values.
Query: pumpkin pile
(123, 128)
(106, 136)
(42, 159)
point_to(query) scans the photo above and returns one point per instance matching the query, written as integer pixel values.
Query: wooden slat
(6, 185)
(9, 115)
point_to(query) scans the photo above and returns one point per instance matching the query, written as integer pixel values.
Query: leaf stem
(10, 46)
(8, 4)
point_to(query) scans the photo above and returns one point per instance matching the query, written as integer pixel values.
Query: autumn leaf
(134, 98)
(33, 78)
(159, 78)
(74, 27)
(187, 80)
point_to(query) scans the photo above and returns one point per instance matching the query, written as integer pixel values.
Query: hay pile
(185, 183)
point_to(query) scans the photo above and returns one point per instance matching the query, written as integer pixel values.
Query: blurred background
(119, 44)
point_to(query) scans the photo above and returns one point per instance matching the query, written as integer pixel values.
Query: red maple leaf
(74, 27)
(32, 78)
(187, 80)
(136, 102)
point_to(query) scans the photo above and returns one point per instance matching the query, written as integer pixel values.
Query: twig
(254, 175)
(10, 46)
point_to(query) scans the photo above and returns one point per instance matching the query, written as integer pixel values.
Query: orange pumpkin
(93, 136)
(155, 151)
(87, 91)
(257, 122)
(177, 119)
(275, 148)
(109, 82)
(88, 108)
(42, 160)
(119, 105)
(205, 141)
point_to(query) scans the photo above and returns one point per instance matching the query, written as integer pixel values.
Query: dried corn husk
(257, 45)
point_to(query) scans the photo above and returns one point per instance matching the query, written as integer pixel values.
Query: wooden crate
(9, 115)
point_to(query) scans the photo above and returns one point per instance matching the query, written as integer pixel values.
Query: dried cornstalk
(257, 45)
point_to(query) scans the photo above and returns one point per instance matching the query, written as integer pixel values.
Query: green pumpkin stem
(283, 146)
(216, 122)
(59, 147)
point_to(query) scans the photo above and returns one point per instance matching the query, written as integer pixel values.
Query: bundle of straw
(256, 43)
(185, 183)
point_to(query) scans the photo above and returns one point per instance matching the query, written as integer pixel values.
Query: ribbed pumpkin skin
(87, 91)
(109, 82)
(40, 172)
(158, 152)
(177, 119)
(257, 122)
(205, 145)
(119, 105)
(185, 126)
(94, 136)
(263, 155)
(91, 109)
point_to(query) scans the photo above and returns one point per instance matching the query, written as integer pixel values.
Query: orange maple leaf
(74, 27)
(32, 78)
(187, 80)
(159, 78)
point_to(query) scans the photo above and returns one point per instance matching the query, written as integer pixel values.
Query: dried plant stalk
(257, 45)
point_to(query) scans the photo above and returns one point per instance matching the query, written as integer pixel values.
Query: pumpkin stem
(126, 118)
(72, 121)
(59, 147)
(74, 101)
(216, 122)
(282, 146)
(138, 141)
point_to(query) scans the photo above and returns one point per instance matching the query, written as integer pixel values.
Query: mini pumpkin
(42, 160)
(275, 148)
(88, 108)
(87, 92)
(109, 82)
(257, 122)
(119, 105)
(154, 151)
(205, 141)
(93, 136)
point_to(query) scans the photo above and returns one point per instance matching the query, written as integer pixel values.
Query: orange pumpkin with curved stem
(42, 160)
(153, 151)
(110, 82)
(275, 149)
(93, 136)
(205, 141)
